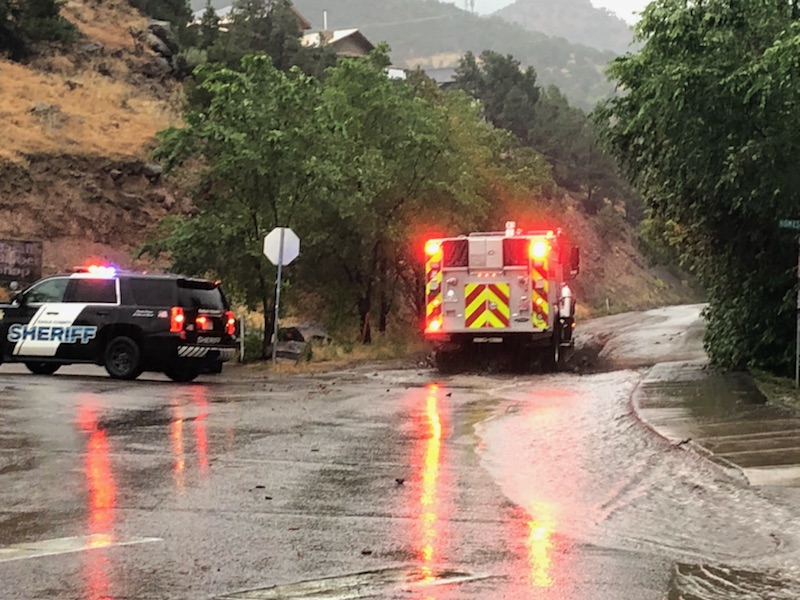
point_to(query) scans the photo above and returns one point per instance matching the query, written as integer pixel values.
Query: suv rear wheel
(122, 358)
(182, 373)
(42, 368)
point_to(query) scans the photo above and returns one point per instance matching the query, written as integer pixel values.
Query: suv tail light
(176, 319)
(230, 323)
(203, 323)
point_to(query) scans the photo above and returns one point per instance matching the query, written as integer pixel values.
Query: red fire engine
(505, 290)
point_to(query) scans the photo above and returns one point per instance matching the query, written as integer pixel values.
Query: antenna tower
(469, 5)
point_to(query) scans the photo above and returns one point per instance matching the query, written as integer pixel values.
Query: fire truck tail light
(435, 325)
(230, 323)
(432, 248)
(539, 249)
(176, 320)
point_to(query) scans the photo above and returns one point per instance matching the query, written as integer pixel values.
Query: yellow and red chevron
(433, 287)
(540, 296)
(487, 305)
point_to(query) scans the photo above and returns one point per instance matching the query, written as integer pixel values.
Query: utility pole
(795, 225)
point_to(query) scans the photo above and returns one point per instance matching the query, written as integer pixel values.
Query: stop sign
(272, 246)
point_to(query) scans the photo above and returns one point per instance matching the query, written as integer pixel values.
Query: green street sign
(789, 223)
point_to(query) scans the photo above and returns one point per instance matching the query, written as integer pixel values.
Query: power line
(420, 20)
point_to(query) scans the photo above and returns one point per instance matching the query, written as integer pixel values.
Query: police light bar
(99, 270)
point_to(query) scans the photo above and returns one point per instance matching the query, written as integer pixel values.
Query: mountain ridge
(430, 34)
(577, 21)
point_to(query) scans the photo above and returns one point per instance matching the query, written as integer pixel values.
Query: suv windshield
(200, 296)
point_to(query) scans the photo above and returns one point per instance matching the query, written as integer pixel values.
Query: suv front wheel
(42, 368)
(122, 358)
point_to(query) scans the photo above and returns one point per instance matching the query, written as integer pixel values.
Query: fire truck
(500, 293)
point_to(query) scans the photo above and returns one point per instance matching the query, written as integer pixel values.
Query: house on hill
(225, 18)
(348, 43)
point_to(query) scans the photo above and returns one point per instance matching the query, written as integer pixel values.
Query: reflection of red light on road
(102, 492)
(102, 503)
(200, 434)
(431, 431)
(540, 545)
(178, 458)
(546, 481)
(97, 468)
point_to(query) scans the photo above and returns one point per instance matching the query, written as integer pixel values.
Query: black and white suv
(128, 322)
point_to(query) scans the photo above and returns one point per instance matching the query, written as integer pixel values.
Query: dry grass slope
(63, 104)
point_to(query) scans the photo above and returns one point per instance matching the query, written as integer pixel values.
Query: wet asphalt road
(373, 483)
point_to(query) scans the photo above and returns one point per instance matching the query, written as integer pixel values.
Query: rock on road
(374, 483)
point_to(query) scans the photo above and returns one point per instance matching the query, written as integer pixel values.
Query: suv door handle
(102, 313)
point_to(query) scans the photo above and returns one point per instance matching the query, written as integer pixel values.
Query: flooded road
(373, 483)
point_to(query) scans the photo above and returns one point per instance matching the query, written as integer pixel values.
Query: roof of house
(224, 14)
(313, 38)
(442, 76)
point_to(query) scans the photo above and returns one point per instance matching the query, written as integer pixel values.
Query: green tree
(268, 27)
(508, 94)
(707, 129)
(361, 166)
(41, 21)
(209, 27)
(402, 158)
(11, 41)
(262, 147)
(25, 23)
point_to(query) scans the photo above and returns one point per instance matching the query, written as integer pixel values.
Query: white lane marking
(66, 545)
(369, 584)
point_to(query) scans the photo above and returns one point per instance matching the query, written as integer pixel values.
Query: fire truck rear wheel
(448, 361)
(552, 354)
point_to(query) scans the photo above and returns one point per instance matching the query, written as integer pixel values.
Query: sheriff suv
(127, 322)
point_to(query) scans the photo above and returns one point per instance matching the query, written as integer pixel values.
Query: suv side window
(50, 290)
(92, 291)
(152, 292)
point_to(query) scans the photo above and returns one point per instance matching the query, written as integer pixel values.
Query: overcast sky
(623, 8)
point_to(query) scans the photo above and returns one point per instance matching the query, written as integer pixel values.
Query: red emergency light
(539, 250)
(432, 247)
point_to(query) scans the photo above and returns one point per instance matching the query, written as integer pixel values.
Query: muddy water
(573, 454)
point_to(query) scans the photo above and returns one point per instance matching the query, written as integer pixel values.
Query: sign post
(795, 224)
(281, 247)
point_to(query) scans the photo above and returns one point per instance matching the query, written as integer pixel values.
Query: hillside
(75, 172)
(79, 127)
(575, 20)
(428, 33)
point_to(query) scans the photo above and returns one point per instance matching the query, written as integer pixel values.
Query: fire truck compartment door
(487, 306)
(486, 254)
